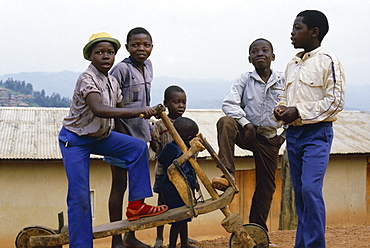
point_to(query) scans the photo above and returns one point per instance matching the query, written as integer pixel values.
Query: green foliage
(37, 99)
(18, 86)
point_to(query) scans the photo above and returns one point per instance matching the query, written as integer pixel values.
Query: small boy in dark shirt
(175, 102)
(187, 130)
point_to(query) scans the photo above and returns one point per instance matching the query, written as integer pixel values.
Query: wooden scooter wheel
(23, 238)
(256, 232)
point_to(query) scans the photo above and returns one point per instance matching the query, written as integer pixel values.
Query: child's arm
(101, 110)
(231, 105)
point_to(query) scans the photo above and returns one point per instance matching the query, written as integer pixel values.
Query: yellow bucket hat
(98, 38)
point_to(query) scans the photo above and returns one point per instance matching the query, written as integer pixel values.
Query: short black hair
(250, 46)
(138, 30)
(170, 90)
(315, 18)
(186, 127)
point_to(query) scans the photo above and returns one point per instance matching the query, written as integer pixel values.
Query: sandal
(145, 211)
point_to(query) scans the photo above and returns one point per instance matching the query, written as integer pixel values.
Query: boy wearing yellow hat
(88, 129)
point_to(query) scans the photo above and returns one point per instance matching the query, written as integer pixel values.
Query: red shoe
(145, 211)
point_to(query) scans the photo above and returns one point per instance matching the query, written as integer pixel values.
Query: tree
(29, 89)
(288, 218)
(39, 98)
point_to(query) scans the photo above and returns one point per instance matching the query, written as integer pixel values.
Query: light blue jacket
(251, 100)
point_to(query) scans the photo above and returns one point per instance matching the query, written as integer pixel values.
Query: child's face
(176, 105)
(301, 36)
(261, 55)
(140, 47)
(102, 56)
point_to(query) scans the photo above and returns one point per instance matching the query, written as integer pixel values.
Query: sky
(200, 39)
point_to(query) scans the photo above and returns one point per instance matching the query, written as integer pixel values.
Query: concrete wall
(345, 190)
(34, 192)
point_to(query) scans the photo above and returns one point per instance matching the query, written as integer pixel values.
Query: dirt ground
(348, 237)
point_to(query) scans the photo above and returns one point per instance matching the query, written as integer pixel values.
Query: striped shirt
(161, 137)
(81, 119)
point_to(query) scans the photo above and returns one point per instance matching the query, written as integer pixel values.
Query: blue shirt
(135, 87)
(169, 192)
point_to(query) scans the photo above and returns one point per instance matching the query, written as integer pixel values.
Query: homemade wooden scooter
(243, 236)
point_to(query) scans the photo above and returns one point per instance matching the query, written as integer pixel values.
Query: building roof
(32, 133)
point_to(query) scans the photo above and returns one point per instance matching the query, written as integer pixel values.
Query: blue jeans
(76, 152)
(308, 151)
(115, 161)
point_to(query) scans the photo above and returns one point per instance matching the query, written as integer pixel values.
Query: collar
(97, 72)
(308, 55)
(273, 77)
(129, 61)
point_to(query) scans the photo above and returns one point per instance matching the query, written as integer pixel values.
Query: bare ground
(336, 237)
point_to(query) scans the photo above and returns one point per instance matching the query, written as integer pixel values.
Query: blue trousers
(308, 151)
(76, 152)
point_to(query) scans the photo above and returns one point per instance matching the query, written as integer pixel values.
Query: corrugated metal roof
(31, 133)
(351, 131)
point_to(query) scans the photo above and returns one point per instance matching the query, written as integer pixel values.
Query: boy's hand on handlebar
(147, 112)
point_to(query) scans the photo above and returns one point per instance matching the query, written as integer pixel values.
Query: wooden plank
(123, 226)
(243, 200)
(274, 215)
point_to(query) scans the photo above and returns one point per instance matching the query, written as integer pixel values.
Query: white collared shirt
(251, 100)
(315, 85)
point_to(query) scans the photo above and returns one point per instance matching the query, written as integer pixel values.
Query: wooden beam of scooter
(202, 176)
(220, 165)
(184, 149)
(177, 178)
(243, 237)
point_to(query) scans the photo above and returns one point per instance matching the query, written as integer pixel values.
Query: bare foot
(130, 241)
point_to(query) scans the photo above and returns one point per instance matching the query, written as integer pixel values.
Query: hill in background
(201, 93)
